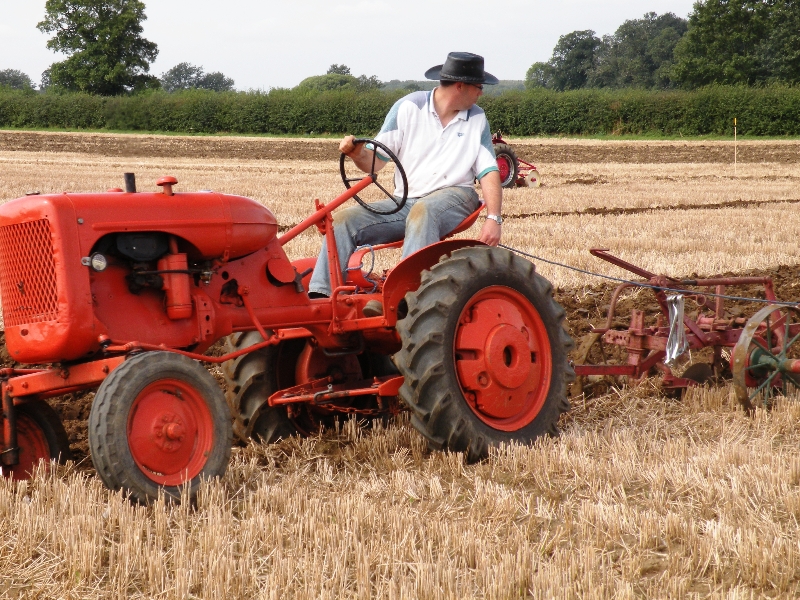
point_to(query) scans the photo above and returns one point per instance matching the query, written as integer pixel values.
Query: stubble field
(640, 496)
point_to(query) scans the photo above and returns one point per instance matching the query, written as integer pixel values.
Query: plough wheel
(159, 421)
(507, 163)
(764, 357)
(532, 179)
(40, 437)
(484, 353)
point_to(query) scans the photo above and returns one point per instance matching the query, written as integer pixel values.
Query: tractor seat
(356, 276)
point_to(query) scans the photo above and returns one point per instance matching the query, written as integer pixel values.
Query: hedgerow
(767, 111)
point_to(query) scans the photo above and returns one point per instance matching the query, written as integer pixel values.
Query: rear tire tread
(439, 412)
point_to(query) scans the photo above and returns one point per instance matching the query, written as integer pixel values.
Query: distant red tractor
(513, 170)
(125, 291)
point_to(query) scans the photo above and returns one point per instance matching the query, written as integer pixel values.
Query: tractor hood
(216, 225)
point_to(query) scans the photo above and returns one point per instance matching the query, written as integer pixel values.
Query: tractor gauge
(96, 261)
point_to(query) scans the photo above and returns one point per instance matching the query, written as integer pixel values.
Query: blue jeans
(422, 222)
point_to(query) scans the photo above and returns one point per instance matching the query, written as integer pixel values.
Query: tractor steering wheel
(399, 204)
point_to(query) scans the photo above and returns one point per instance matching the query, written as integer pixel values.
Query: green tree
(778, 53)
(331, 81)
(723, 42)
(15, 79)
(335, 69)
(640, 53)
(182, 76)
(574, 58)
(216, 82)
(339, 77)
(107, 54)
(540, 75)
(186, 76)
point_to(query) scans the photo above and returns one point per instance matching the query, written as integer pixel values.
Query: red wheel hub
(502, 356)
(33, 447)
(170, 432)
(504, 167)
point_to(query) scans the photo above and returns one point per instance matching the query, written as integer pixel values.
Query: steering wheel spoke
(399, 203)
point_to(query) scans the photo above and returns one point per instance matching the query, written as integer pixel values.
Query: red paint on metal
(281, 269)
(323, 391)
(170, 432)
(10, 454)
(646, 346)
(32, 448)
(504, 167)
(324, 210)
(406, 276)
(176, 286)
(166, 183)
(524, 167)
(502, 357)
(53, 382)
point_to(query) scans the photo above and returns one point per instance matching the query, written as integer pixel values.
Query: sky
(264, 44)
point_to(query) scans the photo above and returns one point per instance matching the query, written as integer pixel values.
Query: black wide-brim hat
(462, 66)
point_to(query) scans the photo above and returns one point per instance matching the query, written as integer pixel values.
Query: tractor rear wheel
(508, 164)
(484, 353)
(40, 437)
(251, 379)
(159, 421)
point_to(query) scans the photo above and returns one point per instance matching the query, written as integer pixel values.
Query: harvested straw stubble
(639, 497)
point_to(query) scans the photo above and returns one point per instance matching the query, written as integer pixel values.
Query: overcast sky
(265, 44)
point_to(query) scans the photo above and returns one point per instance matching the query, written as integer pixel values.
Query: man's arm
(493, 196)
(361, 156)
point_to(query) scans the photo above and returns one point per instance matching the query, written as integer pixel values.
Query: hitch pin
(327, 391)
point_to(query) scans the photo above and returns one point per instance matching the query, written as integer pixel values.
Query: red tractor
(513, 170)
(125, 291)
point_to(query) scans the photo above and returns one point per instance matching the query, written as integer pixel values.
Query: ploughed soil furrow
(262, 148)
(612, 211)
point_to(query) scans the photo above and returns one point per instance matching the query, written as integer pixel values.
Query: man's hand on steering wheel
(370, 162)
(360, 155)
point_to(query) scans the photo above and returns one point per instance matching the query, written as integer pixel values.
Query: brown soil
(541, 151)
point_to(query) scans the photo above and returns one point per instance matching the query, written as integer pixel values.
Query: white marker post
(735, 154)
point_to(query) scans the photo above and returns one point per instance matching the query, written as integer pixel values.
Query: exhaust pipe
(130, 183)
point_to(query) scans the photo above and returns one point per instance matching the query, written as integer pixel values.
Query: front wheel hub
(502, 356)
(170, 432)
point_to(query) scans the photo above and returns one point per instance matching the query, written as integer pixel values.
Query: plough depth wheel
(766, 359)
(484, 353)
(159, 421)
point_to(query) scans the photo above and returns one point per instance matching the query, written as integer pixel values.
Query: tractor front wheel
(484, 353)
(40, 437)
(159, 421)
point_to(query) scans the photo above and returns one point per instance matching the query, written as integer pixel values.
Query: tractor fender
(406, 276)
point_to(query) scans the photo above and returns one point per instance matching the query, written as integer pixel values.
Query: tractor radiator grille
(28, 273)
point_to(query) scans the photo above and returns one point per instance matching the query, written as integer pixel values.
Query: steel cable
(647, 285)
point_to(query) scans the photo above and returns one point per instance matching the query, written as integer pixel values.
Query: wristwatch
(496, 218)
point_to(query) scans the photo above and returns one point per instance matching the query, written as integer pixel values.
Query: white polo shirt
(433, 156)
